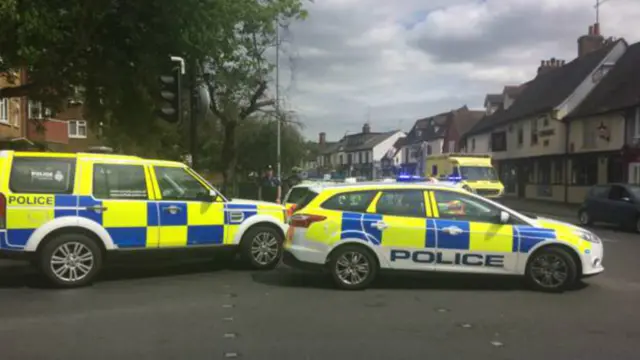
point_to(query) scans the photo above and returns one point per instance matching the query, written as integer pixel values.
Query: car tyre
(551, 269)
(353, 267)
(261, 247)
(584, 218)
(70, 260)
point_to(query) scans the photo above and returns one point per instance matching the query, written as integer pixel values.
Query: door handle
(380, 225)
(96, 208)
(172, 209)
(453, 230)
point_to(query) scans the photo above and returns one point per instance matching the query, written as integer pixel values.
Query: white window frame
(636, 130)
(4, 110)
(76, 124)
(34, 104)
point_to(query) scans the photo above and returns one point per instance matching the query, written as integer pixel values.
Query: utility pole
(277, 106)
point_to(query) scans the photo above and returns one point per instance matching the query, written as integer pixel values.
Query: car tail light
(305, 220)
(290, 210)
(3, 211)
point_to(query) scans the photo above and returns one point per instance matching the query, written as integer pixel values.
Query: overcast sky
(394, 61)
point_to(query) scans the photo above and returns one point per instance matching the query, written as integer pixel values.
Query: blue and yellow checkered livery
(132, 223)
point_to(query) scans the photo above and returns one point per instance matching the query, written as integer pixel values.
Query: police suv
(67, 213)
(354, 231)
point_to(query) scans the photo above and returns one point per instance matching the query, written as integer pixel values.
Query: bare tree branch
(254, 103)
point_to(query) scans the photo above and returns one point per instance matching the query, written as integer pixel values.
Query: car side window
(42, 175)
(456, 206)
(177, 184)
(357, 201)
(401, 203)
(118, 181)
(600, 191)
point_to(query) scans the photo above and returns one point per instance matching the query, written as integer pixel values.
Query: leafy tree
(114, 50)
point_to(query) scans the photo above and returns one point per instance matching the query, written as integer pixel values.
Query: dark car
(614, 204)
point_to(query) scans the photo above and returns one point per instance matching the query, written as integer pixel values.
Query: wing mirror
(626, 199)
(504, 217)
(211, 196)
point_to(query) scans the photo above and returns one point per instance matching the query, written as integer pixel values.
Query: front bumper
(592, 260)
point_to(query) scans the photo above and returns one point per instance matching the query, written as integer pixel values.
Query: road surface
(200, 311)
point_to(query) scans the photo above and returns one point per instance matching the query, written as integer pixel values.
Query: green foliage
(257, 147)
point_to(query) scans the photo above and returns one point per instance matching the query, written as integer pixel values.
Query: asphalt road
(200, 311)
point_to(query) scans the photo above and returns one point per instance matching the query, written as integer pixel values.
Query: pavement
(202, 310)
(560, 211)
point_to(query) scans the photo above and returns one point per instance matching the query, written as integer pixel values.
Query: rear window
(352, 201)
(42, 175)
(304, 200)
(296, 194)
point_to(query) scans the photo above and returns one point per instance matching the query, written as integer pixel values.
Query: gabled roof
(363, 141)
(465, 121)
(328, 148)
(494, 99)
(425, 129)
(545, 91)
(619, 89)
(512, 91)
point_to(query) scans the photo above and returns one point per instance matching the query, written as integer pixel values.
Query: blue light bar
(410, 178)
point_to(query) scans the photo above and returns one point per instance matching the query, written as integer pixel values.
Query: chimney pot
(541, 62)
(590, 29)
(322, 138)
(596, 29)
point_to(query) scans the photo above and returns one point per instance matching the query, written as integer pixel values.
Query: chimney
(547, 65)
(591, 42)
(366, 128)
(322, 139)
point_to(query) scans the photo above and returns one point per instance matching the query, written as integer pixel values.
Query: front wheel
(70, 260)
(353, 267)
(261, 247)
(551, 270)
(584, 218)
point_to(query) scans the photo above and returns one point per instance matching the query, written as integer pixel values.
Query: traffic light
(170, 96)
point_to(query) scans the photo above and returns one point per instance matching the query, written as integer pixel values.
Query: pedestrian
(269, 186)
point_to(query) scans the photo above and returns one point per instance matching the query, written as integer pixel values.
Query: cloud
(392, 62)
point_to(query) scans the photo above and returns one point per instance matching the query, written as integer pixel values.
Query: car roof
(380, 185)
(92, 156)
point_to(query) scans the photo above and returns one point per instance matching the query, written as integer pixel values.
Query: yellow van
(474, 171)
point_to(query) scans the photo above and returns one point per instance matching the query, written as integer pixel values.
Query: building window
(534, 132)
(77, 129)
(359, 158)
(558, 173)
(520, 135)
(544, 172)
(473, 144)
(498, 141)
(584, 171)
(35, 109)
(4, 110)
(366, 157)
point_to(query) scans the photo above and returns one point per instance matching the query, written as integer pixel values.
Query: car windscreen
(478, 173)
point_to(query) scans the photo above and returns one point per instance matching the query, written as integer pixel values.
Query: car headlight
(588, 236)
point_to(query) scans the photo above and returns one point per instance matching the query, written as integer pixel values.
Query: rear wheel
(353, 267)
(261, 247)
(70, 260)
(551, 270)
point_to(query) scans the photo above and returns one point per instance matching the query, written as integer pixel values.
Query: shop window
(584, 171)
(544, 172)
(558, 172)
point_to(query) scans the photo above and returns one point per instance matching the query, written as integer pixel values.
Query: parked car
(614, 204)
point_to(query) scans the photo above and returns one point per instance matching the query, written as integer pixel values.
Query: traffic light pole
(193, 128)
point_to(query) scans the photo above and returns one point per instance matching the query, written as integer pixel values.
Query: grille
(488, 192)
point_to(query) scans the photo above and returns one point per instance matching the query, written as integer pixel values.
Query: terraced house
(357, 155)
(564, 130)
